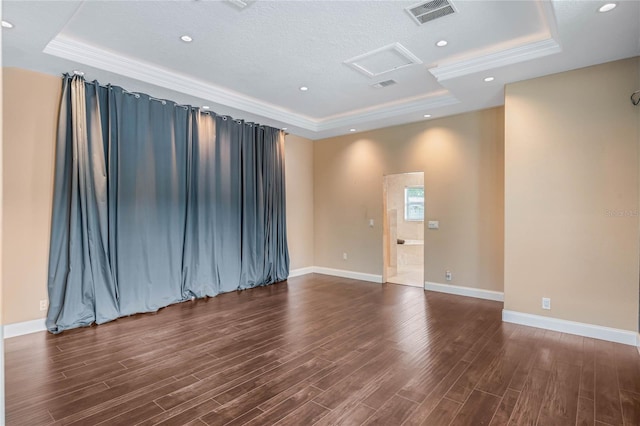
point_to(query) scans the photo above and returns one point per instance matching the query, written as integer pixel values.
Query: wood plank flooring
(320, 350)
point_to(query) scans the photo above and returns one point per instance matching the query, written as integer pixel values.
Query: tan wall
(571, 155)
(462, 158)
(31, 102)
(2, 416)
(299, 181)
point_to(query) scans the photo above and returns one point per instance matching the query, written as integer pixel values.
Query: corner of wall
(300, 201)
(2, 417)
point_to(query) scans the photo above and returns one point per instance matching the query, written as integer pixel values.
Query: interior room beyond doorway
(404, 259)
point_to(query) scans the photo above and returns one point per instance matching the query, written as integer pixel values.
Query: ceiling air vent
(434, 9)
(385, 59)
(385, 83)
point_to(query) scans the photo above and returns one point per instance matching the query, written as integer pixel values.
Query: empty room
(349, 212)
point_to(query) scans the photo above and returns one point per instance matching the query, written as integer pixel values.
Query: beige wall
(299, 181)
(462, 158)
(31, 103)
(2, 416)
(571, 156)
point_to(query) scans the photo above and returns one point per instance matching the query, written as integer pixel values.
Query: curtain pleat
(156, 203)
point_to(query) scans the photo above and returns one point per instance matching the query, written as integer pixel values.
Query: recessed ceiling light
(205, 106)
(7, 24)
(284, 128)
(304, 88)
(427, 116)
(352, 130)
(442, 43)
(607, 7)
(186, 38)
(488, 79)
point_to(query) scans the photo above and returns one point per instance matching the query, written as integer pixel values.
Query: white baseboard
(348, 274)
(478, 293)
(336, 273)
(571, 327)
(300, 271)
(638, 343)
(26, 327)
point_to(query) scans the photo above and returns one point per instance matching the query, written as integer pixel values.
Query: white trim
(94, 56)
(301, 271)
(549, 14)
(22, 328)
(571, 327)
(83, 53)
(638, 343)
(459, 290)
(348, 274)
(431, 101)
(362, 276)
(502, 58)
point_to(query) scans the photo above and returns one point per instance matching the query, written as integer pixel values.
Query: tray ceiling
(251, 62)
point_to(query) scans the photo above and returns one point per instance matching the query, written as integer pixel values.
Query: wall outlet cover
(546, 303)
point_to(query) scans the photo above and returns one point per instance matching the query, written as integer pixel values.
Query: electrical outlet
(344, 256)
(448, 275)
(546, 303)
(44, 304)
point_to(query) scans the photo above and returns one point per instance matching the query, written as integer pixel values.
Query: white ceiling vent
(385, 59)
(428, 11)
(385, 83)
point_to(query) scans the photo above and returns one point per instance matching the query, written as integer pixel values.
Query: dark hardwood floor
(321, 350)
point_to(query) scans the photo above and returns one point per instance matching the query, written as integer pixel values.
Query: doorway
(404, 228)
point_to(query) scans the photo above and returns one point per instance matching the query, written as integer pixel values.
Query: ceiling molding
(83, 53)
(514, 55)
(74, 50)
(422, 105)
(549, 15)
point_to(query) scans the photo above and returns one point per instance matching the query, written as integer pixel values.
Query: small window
(414, 203)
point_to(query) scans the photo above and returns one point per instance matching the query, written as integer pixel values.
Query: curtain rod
(80, 74)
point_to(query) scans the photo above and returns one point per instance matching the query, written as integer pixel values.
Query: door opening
(404, 205)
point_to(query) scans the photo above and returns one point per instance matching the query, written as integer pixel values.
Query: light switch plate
(433, 224)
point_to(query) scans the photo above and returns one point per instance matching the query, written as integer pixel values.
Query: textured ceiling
(250, 63)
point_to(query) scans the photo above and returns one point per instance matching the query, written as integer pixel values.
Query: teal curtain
(156, 203)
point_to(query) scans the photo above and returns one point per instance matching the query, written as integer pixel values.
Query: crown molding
(77, 51)
(502, 58)
(549, 15)
(411, 106)
(83, 53)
